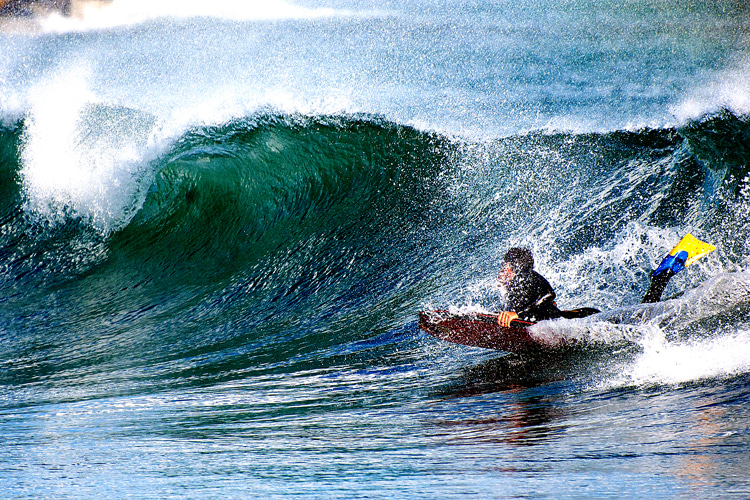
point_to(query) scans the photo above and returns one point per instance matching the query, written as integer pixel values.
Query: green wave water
(290, 228)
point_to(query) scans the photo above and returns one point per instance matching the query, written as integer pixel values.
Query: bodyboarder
(530, 297)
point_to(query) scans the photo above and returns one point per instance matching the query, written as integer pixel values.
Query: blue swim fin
(686, 252)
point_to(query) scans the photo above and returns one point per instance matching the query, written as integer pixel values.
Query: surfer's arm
(541, 309)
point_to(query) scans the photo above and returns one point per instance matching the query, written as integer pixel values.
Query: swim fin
(686, 252)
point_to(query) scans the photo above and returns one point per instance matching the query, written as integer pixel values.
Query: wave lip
(82, 157)
(262, 218)
(729, 90)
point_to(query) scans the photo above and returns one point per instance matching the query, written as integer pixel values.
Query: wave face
(217, 227)
(280, 235)
(270, 230)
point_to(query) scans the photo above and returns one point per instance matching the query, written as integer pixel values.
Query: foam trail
(719, 294)
(676, 363)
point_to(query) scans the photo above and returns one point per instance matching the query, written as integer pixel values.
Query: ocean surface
(219, 220)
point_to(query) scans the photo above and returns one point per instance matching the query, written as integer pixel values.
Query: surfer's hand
(505, 317)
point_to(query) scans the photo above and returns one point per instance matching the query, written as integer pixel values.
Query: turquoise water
(218, 224)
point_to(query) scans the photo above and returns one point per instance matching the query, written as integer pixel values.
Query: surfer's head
(516, 261)
(520, 260)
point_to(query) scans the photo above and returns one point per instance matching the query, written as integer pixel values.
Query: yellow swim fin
(694, 247)
(687, 251)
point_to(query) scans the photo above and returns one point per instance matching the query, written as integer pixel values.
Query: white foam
(102, 15)
(590, 330)
(80, 157)
(665, 362)
(728, 89)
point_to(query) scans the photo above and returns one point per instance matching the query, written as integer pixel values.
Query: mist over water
(218, 224)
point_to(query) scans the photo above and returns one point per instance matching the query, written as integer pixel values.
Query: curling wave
(276, 239)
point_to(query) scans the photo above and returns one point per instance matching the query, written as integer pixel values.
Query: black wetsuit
(531, 297)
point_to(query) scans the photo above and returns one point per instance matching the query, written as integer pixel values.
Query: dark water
(209, 283)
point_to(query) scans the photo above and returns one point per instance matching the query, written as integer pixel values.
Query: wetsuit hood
(520, 260)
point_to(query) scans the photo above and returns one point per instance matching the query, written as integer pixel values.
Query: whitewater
(219, 220)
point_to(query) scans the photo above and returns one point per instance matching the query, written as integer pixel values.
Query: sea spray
(670, 363)
(81, 157)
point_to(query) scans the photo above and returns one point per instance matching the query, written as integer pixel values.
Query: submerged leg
(658, 284)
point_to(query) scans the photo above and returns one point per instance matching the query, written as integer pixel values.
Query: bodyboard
(478, 330)
(483, 330)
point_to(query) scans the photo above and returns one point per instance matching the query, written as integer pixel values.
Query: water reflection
(526, 421)
(524, 370)
(513, 399)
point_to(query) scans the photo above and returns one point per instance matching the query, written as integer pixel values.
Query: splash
(81, 157)
(665, 362)
(729, 89)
